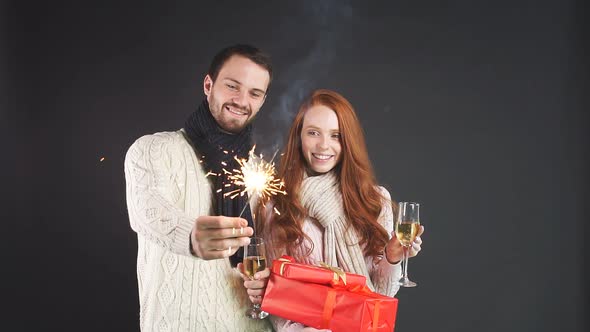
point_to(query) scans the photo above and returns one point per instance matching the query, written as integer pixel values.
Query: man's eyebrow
(259, 90)
(240, 83)
(233, 80)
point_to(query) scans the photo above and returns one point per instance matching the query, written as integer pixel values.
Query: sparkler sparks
(256, 176)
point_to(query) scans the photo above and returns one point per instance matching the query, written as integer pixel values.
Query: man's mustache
(241, 108)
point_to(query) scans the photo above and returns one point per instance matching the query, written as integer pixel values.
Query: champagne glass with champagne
(407, 227)
(254, 261)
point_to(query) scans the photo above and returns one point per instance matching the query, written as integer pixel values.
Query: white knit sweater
(166, 191)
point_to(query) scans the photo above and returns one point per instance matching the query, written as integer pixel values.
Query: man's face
(237, 94)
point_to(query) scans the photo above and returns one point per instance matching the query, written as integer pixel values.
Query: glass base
(256, 313)
(406, 282)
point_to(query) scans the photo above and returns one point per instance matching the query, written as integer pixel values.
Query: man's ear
(207, 85)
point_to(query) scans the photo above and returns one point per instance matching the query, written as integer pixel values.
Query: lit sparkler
(256, 177)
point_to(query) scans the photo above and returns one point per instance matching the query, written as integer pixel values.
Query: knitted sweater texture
(167, 190)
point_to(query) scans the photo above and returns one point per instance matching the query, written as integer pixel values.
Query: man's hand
(214, 237)
(257, 286)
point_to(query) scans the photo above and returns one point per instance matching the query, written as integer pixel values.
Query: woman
(334, 212)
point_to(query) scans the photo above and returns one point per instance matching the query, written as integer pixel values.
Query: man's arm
(151, 188)
(155, 169)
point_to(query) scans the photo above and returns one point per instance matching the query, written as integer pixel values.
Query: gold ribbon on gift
(338, 273)
(363, 289)
(376, 315)
(284, 262)
(330, 303)
(328, 311)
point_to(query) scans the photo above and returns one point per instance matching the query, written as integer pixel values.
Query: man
(187, 230)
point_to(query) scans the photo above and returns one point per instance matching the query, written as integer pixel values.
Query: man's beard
(229, 124)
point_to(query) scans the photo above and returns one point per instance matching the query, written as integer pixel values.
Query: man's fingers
(207, 222)
(222, 248)
(216, 254)
(225, 233)
(224, 244)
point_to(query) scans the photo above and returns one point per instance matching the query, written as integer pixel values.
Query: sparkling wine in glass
(407, 227)
(254, 261)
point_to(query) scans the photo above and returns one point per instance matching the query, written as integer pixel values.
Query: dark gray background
(473, 108)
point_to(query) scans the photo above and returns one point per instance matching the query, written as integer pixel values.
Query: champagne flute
(254, 261)
(407, 226)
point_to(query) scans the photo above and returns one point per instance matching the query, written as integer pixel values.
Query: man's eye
(231, 86)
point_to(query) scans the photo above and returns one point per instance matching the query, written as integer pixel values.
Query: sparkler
(256, 176)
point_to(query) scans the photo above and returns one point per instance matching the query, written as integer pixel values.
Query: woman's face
(320, 139)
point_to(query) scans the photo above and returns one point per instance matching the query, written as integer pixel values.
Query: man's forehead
(245, 71)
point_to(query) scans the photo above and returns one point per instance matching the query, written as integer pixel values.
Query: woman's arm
(385, 275)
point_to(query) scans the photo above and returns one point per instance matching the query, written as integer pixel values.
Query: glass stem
(406, 262)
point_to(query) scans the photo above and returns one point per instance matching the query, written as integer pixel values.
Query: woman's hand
(394, 251)
(257, 286)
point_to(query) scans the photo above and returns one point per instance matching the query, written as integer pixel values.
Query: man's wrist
(190, 246)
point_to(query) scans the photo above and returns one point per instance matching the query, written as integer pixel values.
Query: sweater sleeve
(154, 169)
(383, 274)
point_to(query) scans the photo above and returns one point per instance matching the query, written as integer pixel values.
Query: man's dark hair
(257, 56)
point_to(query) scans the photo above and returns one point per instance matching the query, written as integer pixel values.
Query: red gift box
(288, 268)
(340, 307)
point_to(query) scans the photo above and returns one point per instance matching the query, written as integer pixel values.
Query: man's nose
(240, 98)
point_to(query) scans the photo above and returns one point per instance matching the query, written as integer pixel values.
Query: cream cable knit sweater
(382, 275)
(166, 191)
